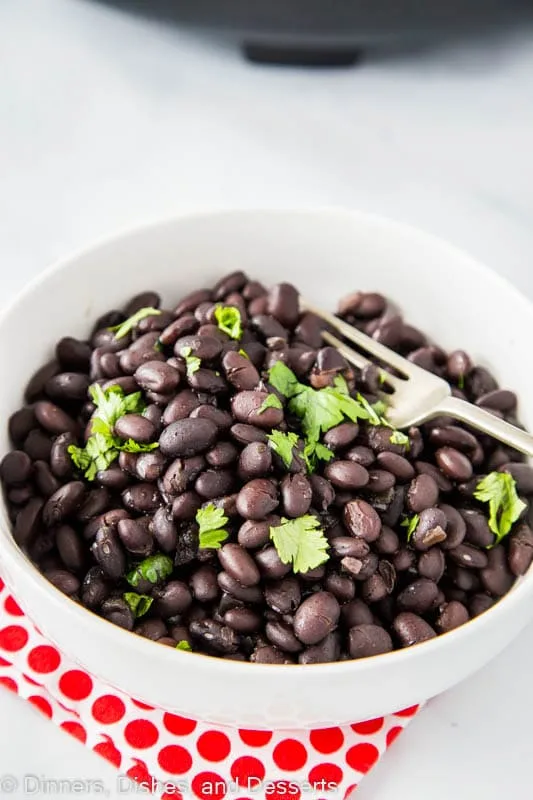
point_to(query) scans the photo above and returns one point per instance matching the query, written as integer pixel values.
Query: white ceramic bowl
(326, 254)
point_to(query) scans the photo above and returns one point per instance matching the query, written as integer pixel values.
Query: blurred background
(113, 112)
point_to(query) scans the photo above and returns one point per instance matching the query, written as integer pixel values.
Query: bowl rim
(236, 669)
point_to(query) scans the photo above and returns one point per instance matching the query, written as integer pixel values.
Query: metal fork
(419, 395)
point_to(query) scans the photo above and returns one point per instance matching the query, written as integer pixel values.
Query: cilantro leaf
(192, 363)
(125, 327)
(397, 437)
(229, 321)
(154, 569)
(315, 452)
(244, 354)
(461, 381)
(139, 603)
(284, 380)
(131, 446)
(410, 523)
(272, 401)
(498, 489)
(211, 521)
(184, 645)
(300, 542)
(282, 444)
(322, 409)
(375, 412)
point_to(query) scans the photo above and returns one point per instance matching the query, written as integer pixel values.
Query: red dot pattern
(174, 748)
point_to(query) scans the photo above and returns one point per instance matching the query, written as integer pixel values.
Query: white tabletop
(107, 120)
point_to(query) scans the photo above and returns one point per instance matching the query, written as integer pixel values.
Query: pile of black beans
(377, 591)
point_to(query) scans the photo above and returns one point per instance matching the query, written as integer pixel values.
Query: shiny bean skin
(70, 547)
(152, 629)
(496, 577)
(214, 483)
(362, 520)
(15, 467)
(452, 436)
(135, 536)
(143, 498)
(360, 568)
(454, 464)
(222, 455)
(380, 480)
(180, 407)
(95, 588)
(67, 386)
(240, 371)
(403, 560)
(247, 433)
(323, 493)
(451, 616)
(479, 603)
(283, 596)
(499, 399)
(268, 654)
(356, 612)
(341, 586)
(46, 482)
(53, 419)
(430, 530)
(418, 596)
(109, 553)
(324, 652)
(242, 620)
(237, 562)
(136, 427)
(20, 424)
(203, 584)
(63, 503)
(117, 611)
(455, 527)
(73, 354)
(65, 581)
(397, 465)
(443, 483)
(522, 474)
(257, 499)
(253, 534)
(316, 617)
(465, 555)
(343, 546)
(360, 455)
(296, 495)
(411, 629)
(188, 437)
(431, 564)
(247, 409)
(248, 594)
(150, 466)
(35, 387)
(423, 493)
(368, 640)
(180, 474)
(255, 461)
(341, 436)
(270, 564)
(388, 541)
(184, 507)
(520, 554)
(96, 501)
(477, 528)
(281, 635)
(346, 474)
(172, 598)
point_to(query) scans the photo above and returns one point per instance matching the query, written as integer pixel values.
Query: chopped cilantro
(498, 489)
(125, 327)
(229, 321)
(300, 542)
(139, 603)
(211, 521)
(154, 569)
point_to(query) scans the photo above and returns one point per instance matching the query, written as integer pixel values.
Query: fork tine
(385, 354)
(357, 359)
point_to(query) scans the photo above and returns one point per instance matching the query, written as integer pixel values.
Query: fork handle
(487, 423)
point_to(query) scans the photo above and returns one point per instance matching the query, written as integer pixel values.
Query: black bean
(496, 576)
(323, 493)
(150, 466)
(296, 495)
(500, 399)
(109, 553)
(465, 579)
(479, 603)
(35, 387)
(270, 564)
(203, 583)
(356, 612)
(255, 461)
(188, 437)
(362, 520)
(214, 483)
(388, 541)
(153, 629)
(53, 419)
(60, 460)
(454, 464)
(232, 282)
(248, 594)
(316, 617)
(214, 636)
(283, 304)
(391, 503)
(117, 611)
(368, 640)
(15, 467)
(403, 560)
(346, 474)
(418, 596)
(190, 301)
(253, 534)
(455, 527)
(21, 494)
(283, 596)
(380, 480)
(240, 371)
(247, 433)
(342, 586)
(109, 518)
(180, 474)
(73, 353)
(365, 305)
(424, 468)
(142, 300)
(70, 548)
(136, 427)
(267, 654)
(477, 528)
(430, 530)
(431, 564)
(28, 523)
(360, 568)
(184, 507)
(135, 536)
(157, 376)
(20, 424)
(397, 465)
(143, 498)
(242, 620)
(257, 499)
(281, 635)
(67, 386)
(412, 629)
(458, 365)
(520, 553)
(465, 555)
(95, 503)
(95, 588)
(171, 599)
(222, 455)
(379, 439)
(65, 581)
(238, 564)
(452, 615)
(374, 588)
(63, 503)
(453, 436)
(342, 546)
(246, 407)
(522, 474)
(479, 382)
(47, 484)
(423, 493)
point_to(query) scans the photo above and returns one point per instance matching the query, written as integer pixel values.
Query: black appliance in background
(333, 32)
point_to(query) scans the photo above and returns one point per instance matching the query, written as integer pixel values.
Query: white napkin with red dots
(174, 757)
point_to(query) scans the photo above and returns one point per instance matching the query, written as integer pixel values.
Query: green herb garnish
(244, 354)
(461, 381)
(125, 327)
(229, 321)
(300, 542)
(397, 437)
(139, 603)
(154, 569)
(192, 363)
(284, 380)
(272, 401)
(184, 645)
(410, 523)
(211, 521)
(103, 446)
(282, 444)
(498, 489)
(314, 452)
(377, 416)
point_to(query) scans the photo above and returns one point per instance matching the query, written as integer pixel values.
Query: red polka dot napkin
(174, 757)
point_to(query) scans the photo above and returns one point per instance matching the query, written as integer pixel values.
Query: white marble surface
(106, 121)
